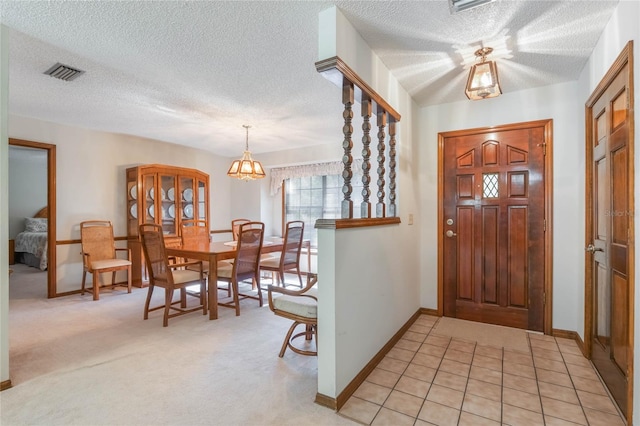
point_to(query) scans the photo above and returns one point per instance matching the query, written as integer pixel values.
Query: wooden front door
(494, 204)
(609, 286)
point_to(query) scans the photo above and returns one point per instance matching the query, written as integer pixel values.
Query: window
(318, 197)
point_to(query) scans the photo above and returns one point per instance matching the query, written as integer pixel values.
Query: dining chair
(99, 255)
(173, 241)
(289, 258)
(235, 227)
(301, 306)
(245, 266)
(171, 277)
(194, 230)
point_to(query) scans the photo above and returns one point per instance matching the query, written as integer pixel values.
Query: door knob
(592, 249)
(450, 233)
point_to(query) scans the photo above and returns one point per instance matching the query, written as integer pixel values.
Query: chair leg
(146, 304)
(308, 332)
(236, 299)
(113, 278)
(129, 279)
(84, 278)
(259, 291)
(281, 278)
(183, 298)
(96, 285)
(222, 288)
(203, 295)
(286, 339)
(168, 297)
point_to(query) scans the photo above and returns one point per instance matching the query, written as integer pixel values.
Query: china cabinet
(164, 195)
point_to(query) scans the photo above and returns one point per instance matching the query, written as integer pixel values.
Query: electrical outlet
(410, 218)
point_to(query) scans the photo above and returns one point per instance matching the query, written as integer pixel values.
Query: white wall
(367, 277)
(90, 181)
(27, 185)
(245, 199)
(622, 27)
(558, 102)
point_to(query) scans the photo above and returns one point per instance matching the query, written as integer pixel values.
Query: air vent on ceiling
(459, 5)
(63, 72)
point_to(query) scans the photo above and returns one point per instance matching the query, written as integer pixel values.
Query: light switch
(410, 219)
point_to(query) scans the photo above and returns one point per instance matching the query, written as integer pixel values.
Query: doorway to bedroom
(32, 208)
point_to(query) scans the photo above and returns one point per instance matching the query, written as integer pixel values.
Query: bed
(31, 244)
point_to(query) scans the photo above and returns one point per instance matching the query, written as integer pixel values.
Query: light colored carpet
(74, 361)
(483, 334)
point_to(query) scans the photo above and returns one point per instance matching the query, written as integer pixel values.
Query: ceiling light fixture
(246, 168)
(483, 80)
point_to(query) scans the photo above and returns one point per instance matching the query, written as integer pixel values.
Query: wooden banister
(355, 89)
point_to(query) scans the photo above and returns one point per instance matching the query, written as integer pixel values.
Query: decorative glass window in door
(490, 185)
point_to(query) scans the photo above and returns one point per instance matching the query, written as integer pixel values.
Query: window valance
(317, 169)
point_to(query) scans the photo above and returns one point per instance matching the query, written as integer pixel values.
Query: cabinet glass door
(168, 206)
(132, 204)
(187, 198)
(149, 195)
(202, 211)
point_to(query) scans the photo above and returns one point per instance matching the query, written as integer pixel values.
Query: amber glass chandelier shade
(246, 168)
(483, 82)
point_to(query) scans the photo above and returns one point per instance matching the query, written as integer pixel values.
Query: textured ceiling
(193, 73)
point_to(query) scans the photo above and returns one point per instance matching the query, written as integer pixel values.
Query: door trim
(52, 289)
(624, 58)
(548, 196)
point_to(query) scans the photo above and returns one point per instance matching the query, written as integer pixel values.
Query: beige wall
(90, 180)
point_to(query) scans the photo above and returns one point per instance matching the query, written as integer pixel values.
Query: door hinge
(628, 96)
(544, 225)
(544, 298)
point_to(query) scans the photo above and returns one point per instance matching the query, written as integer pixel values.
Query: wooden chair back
(96, 237)
(155, 254)
(250, 238)
(235, 227)
(194, 230)
(292, 243)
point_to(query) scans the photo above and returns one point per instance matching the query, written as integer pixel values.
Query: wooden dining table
(215, 251)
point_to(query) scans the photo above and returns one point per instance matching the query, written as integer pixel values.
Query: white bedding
(34, 243)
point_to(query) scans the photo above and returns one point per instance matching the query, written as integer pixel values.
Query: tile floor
(427, 379)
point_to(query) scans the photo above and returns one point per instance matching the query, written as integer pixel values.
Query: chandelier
(483, 80)
(246, 168)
